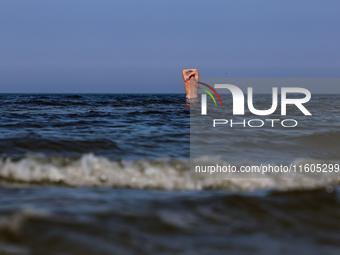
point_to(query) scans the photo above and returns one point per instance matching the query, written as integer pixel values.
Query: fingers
(192, 74)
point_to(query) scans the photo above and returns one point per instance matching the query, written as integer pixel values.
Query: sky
(133, 46)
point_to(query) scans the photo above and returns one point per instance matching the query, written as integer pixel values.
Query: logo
(238, 99)
(212, 89)
(239, 102)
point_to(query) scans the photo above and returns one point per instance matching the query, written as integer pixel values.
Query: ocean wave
(166, 174)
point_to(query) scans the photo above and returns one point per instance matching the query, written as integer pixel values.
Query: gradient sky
(133, 46)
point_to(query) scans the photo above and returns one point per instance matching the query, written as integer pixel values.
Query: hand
(193, 73)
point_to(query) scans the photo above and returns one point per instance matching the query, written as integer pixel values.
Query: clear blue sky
(135, 46)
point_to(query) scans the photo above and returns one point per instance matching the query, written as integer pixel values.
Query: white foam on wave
(93, 171)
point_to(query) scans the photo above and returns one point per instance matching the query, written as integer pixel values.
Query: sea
(110, 174)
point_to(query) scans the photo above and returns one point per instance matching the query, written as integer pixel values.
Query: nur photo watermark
(255, 127)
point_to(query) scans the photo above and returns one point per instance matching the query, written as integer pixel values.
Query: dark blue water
(112, 125)
(109, 174)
